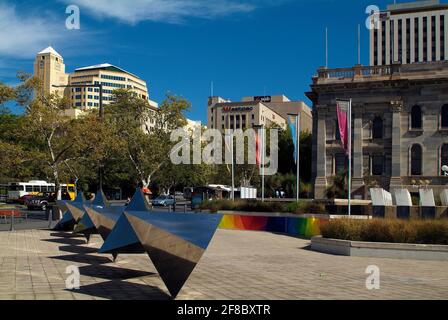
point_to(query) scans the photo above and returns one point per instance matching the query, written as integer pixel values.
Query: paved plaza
(237, 265)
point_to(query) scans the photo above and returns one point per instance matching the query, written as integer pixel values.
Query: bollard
(185, 208)
(50, 216)
(12, 221)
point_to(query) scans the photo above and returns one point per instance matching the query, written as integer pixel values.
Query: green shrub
(304, 207)
(384, 230)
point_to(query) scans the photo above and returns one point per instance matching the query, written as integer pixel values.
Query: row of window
(416, 122)
(405, 34)
(377, 161)
(105, 76)
(417, 117)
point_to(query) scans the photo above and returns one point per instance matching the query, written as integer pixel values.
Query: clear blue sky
(244, 47)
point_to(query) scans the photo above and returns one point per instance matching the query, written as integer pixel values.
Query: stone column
(395, 180)
(320, 155)
(357, 161)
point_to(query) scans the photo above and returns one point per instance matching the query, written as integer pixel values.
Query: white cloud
(23, 36)
(169, 11)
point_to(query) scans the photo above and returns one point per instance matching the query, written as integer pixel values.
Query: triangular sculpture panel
(122, 239)
(105, 219)
(85, 224)
(175, 242)
(72, 215)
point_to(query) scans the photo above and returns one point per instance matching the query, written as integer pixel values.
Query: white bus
(17, 190)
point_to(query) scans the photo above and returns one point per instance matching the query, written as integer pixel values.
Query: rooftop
(51, 50)
(105, 66)
(362, 74)
(416, 6)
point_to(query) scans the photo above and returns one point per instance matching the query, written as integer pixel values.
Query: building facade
(49, 67)
(399, 126)
(409, 33)
(254, 111)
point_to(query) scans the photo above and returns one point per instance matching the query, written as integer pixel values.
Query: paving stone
(237, 265)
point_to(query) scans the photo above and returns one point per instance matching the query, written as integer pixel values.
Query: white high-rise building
(410, 32)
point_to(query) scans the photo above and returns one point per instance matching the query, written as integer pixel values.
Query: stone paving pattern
(237, 265)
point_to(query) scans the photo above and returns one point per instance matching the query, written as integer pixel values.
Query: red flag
(342, 109)
(257, 148)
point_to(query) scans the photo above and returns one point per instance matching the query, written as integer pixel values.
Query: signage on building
(263, 98)
(237, 109)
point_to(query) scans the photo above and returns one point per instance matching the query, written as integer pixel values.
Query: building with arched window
(416, 159)
(399, 126)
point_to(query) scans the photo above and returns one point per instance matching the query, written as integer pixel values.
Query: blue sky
(245, 47)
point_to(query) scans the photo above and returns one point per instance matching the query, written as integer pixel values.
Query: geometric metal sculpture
(73, 214)
(380, 199)
(403, 201)
(174, 242)
(427, 203)
(118, 235)
(444, 197)
(85, 225)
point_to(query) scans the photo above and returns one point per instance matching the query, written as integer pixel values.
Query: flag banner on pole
(258, 147)
(228, 141)
(293, 127)
(342, 109)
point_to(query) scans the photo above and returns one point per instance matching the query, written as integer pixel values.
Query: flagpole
(298, 156)
(263, 138)
(233, 168)
(349, 125)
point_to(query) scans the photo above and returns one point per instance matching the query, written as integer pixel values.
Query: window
(416, 117)
(340, 163)
(377, 128)
(416, 160)
(29, 188)
(444, 156)
(377, 165)
(445, 116)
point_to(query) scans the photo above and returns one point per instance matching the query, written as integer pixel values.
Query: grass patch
(385, 230)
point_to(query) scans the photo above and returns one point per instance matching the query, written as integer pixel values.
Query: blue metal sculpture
(73, 214)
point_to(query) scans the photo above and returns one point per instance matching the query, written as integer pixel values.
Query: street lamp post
(101, 114)
(445, 170)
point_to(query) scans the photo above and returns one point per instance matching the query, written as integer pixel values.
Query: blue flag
(293, 126)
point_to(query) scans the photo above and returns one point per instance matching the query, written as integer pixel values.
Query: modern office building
(409, 33)
(253, 111)
(400, 126)
(49, 67)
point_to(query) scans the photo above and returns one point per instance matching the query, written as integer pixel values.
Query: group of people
(279, 194)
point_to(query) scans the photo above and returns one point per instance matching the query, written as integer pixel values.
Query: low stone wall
(306, 225)
(380, 249)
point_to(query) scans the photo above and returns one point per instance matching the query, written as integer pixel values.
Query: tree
(146, 148)
(59, 139)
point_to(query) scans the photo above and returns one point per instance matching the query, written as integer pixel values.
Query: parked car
(163, 201)
(23, 199)
(40, 202)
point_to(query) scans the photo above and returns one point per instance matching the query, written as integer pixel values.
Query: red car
(22, 200)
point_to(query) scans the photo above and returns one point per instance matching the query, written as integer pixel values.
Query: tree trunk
(57, 184)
